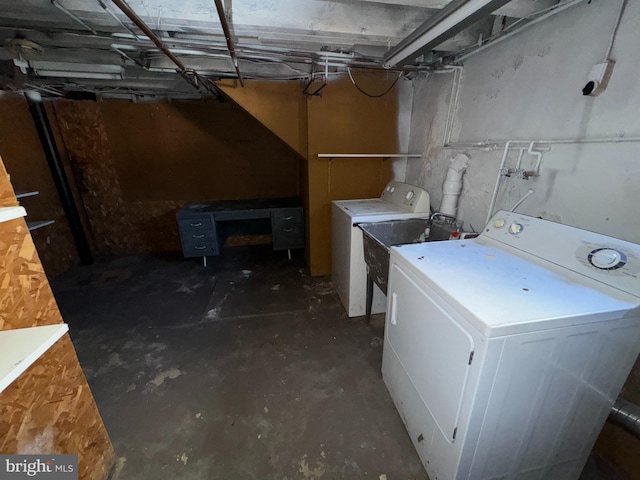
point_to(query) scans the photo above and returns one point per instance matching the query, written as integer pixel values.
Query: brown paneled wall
(341, 120)
(49, 408)
(136, 164)
(196, 151)
(280, 106)
(116, 225)
(344, 120)
(25, 161)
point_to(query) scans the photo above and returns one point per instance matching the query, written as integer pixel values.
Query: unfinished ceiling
(92, 46)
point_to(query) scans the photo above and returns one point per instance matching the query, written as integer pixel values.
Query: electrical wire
(615, 29)
(369, 94)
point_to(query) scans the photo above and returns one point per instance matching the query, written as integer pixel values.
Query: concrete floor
(245, 369)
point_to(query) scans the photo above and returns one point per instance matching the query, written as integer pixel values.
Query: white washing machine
(504, 354)
(348, 269)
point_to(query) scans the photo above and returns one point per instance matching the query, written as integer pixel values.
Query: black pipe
(41, 121)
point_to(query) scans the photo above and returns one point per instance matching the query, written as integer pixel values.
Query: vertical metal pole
(41, 121)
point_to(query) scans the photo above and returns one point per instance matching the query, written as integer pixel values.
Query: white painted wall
(529, 87)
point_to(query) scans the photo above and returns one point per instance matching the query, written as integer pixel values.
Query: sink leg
(369, 297)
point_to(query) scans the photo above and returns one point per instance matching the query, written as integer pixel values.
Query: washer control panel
(608, 260)
(507, 225)
(409, 197)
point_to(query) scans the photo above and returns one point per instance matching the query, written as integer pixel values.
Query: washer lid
(369, 206)
(374, 210)
(503, 292)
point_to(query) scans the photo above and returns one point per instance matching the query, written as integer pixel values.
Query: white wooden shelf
(369, 155)
(9, 213)
(40, 224)
(21, 347)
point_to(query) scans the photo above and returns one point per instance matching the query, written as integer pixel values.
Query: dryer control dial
(515, 228)
(499, 222)
(410, 194)
(607, 258)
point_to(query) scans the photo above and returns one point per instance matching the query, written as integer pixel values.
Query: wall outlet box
(598, 78)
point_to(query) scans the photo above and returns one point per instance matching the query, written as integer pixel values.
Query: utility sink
(379, 237)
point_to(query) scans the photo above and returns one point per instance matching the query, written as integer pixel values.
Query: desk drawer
(200, 249)
(287, 228)
(198, 236)
(286, 217)
(202, 224)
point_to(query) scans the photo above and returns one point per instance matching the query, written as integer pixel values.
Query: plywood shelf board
(21, 347)
(10, 213)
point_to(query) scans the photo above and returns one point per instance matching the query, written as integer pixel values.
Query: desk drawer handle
(199, 224)
(288, 218)
(287, 230)
(197, 236)
(200, 248)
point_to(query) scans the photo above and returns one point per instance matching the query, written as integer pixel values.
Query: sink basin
(379, 237)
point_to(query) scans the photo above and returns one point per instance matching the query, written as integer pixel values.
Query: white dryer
(348, 269)
(504, 354)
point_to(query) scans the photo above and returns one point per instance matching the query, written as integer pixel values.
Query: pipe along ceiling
(118, 48)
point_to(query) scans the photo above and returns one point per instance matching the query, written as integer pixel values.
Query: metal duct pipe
(41, 121)
(626, 415)
(452, 19)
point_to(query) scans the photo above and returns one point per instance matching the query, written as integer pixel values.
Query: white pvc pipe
(453, 101)
(494, 196)
(563, 141)
(520, 155)
(530, 151)
(453, 185)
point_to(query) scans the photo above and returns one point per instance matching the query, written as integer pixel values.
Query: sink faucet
(448, 218)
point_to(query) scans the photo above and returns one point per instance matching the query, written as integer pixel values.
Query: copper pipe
(147, 31)
(190, 75)
(227, 36)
